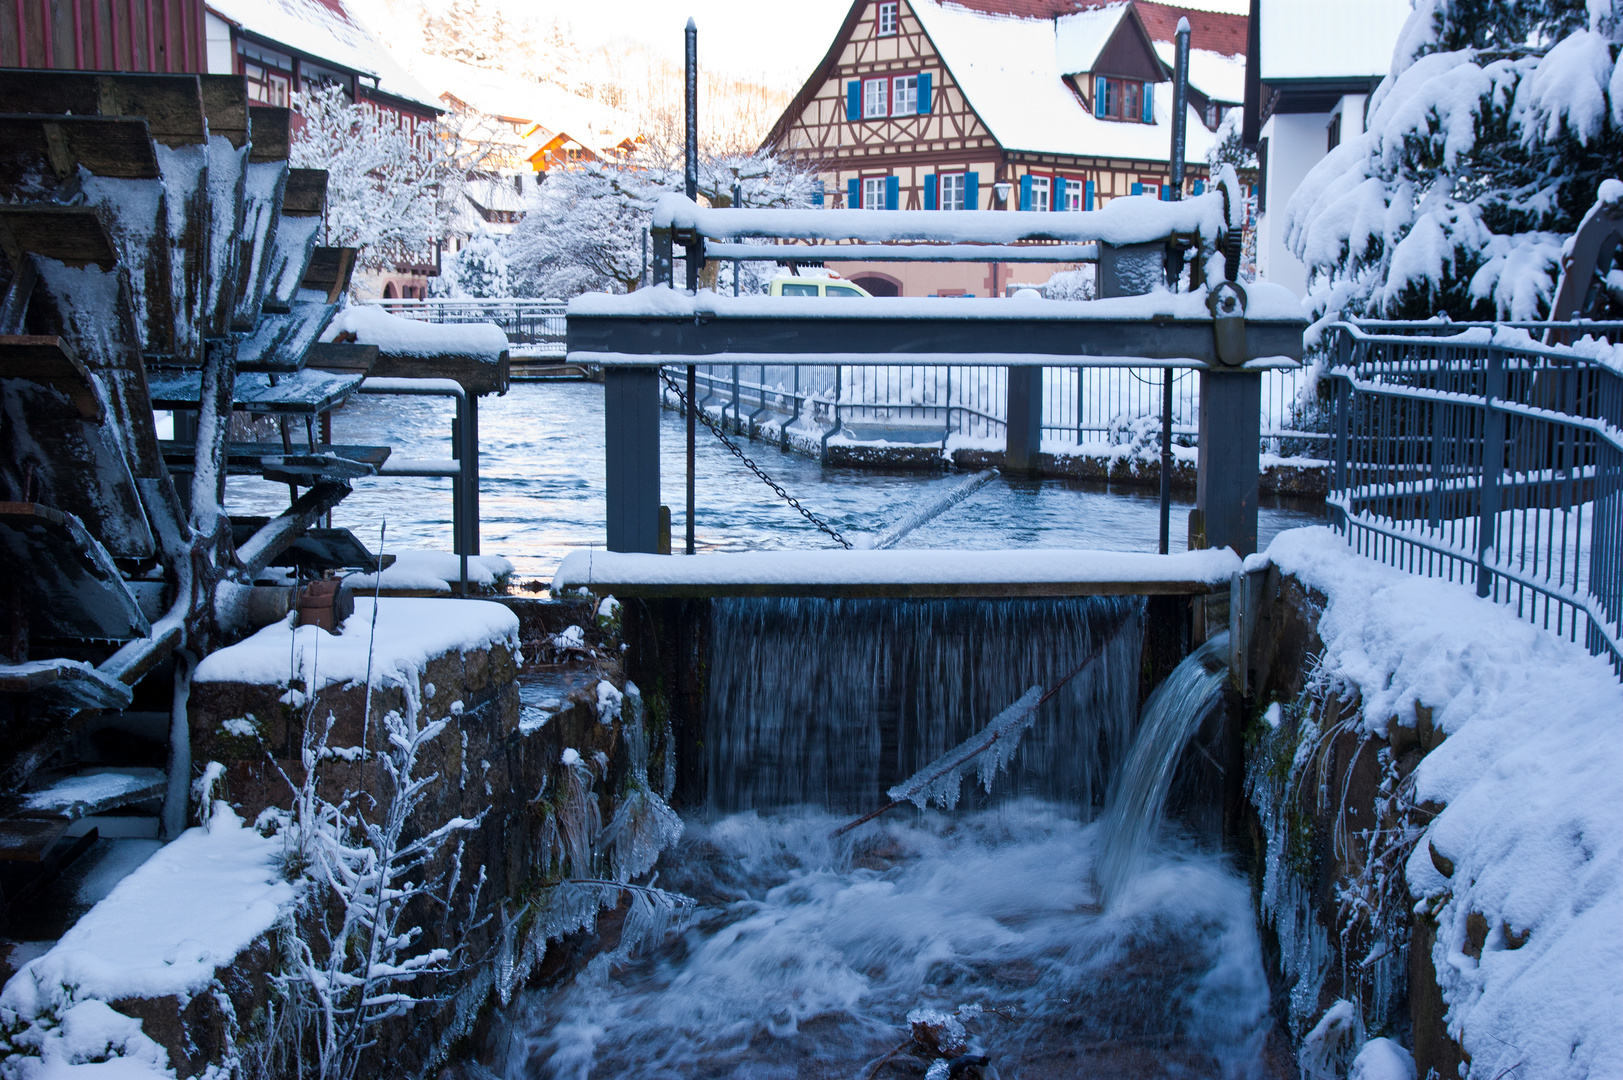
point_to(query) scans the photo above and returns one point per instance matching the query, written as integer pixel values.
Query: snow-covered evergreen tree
(1485, 146)
(584, 228)
(479, 270)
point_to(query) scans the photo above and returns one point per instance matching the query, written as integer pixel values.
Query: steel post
(631, 457)
(1166, 459)
(692, 448)
(1493, 465)
(1225, 512)
(690, 171)
(1023, 432)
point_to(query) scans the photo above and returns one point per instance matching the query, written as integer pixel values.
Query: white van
(806, 286)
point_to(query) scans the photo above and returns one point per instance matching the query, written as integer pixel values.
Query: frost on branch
(991, 748)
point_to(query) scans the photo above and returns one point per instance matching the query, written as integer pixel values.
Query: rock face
(1332, 820)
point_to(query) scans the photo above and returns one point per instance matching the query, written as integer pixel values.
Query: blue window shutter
(1149, 103)
(1138, 189)
(1025, 192)
(1057, 192)
(893, 192)
(1087, 195)
(930, 191)
(1099, 95)
(925, 100)
(972, 191)
(818, 189)
(1200, 187)
(853, 100)
(853, 194)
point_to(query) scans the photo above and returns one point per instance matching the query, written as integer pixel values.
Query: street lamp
(1001, 190)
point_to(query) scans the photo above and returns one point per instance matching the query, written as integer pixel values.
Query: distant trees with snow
(583, 231)
(1485, 146)
(479, 270)
(391, 184)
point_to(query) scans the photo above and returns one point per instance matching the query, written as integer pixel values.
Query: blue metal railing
(1483, 456)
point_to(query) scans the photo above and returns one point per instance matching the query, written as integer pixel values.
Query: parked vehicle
(801, 286)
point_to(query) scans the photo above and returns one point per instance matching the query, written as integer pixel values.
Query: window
(1040, 193)
(799, 288)
(1073, 194)
(873, 98)
(1333, 134)
(952, 191)
(873, 192)
(887, 18)
(314, 77)
(269, 74)
(904, 95)
(1123, 99)
(840, 290)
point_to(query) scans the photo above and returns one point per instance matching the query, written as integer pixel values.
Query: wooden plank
(47, 359)
(907, 590)
(341, 357)
(329, 271)
(95, 790)
(301, 393)
(56, 146)
(306, 193)
(225, 106)
(270, 130)
(28, 839)
(478, 374)
(172, 104)
(73, 235)
(263, 187)
(281, 532)
(73, 588)
(282, 339)
(65, 684)
(316, 550)
(248, 459)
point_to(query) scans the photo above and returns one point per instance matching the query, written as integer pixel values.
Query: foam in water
(1138, 796)
(831, 702)
(808, 954)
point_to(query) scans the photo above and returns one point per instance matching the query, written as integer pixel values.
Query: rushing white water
(808, 954)
(1138, 796)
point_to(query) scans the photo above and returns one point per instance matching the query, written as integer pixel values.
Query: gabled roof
(1080, 37)
(326, 31)
(523, 101)
(1009, 71)
(1219, 77)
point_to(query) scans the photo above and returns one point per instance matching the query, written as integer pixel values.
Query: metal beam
(631, 457)
(1230, 439)
(874, 337)
(972, 253)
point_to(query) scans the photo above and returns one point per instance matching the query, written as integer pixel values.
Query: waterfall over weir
(828, 703)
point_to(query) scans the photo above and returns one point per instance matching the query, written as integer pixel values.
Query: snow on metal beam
(827, 253)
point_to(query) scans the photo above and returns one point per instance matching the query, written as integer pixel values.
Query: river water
(541, 465)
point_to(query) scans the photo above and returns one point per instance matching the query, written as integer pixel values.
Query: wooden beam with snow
(329, 272)
(64, 684)
(75, 591)
(117, 148)
(301, 393)
(280, 534)
(281, 340)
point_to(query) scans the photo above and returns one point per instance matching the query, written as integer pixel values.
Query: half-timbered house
(1004, 104)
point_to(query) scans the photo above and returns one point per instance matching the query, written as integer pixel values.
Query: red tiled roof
(1211, 30)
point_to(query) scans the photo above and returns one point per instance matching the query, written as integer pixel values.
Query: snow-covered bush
(1485, 146)
(584, 228)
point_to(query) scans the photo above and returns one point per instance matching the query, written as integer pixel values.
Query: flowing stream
(808, 951)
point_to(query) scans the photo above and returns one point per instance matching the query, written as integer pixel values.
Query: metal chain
(749, 463)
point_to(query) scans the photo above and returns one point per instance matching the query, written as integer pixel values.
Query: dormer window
(1123, 99)
(887, 18)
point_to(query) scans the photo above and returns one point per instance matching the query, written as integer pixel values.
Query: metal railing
(535, 326)
(1480, 456)
(1082, 405)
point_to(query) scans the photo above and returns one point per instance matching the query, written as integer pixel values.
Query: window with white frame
(1041, 190)
(269, 74)
(873, 192)
(1073, 194)
(887, 18)
(951, 191)
(873, 98)
(904, 95)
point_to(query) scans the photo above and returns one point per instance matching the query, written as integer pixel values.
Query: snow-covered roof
(1329, 39)
(1219, 77)
(325, 30)
(1009, 70)
(1079, 38)
(498, 94)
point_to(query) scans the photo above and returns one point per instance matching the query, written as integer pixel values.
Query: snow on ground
(163, 931)
(396, 336)
(410, 632)
(834, 568)
(1531, 775)
(432, 570)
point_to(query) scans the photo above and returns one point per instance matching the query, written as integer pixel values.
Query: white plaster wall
(218, 37)
(1296, 143)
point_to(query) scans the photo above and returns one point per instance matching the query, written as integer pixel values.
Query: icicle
(940, 781)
